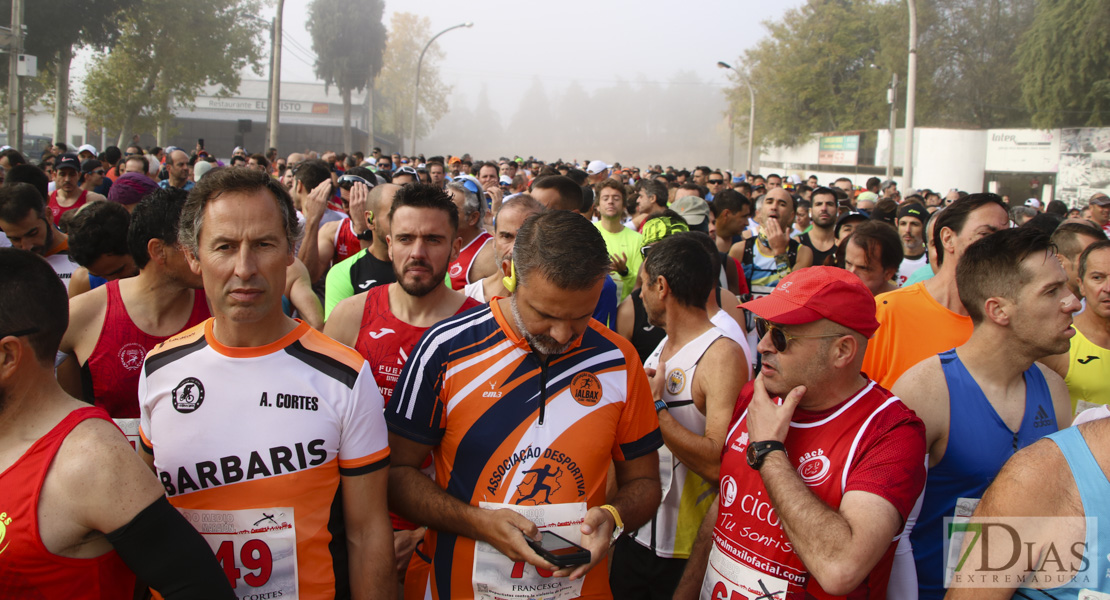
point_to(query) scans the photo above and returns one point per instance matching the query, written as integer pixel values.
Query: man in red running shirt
(814, 488)
(385, 323)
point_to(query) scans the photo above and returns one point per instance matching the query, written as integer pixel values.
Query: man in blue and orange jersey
(524, 404)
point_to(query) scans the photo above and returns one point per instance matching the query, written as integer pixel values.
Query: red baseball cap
(815, 293)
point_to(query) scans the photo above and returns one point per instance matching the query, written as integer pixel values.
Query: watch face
(752, 455)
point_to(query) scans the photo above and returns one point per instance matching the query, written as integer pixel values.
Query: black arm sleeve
(169, 555)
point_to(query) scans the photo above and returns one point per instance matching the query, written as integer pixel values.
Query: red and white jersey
(347, 243)
(870, 443)
(460, 267)
(386, 341)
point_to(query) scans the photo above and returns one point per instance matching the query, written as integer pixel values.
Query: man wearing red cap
(813, 489)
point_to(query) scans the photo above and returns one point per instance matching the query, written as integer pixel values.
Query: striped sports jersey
(508, 427)
(250, 444)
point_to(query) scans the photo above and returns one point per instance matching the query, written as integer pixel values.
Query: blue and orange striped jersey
(507, 428)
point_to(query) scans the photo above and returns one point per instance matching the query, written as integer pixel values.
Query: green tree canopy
(407, 35)
(1064, 60)
(349, 46)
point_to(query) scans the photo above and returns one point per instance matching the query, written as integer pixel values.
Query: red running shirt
(57, 210)
(870, 443)
(27, 569)
(386, 343)
(110, 376)
(347, 243)
(460, 267)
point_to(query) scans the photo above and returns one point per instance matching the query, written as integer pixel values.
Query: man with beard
(385, 323)
(623, 243)
(911, 227)
(819, 243)
(112, 328)
(984, 400)
(68, 195)
(513, 213)
(27, 225)
(524, 405)
(771, 254)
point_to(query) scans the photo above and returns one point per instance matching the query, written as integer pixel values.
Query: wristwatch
(757, 451)
(660, 405)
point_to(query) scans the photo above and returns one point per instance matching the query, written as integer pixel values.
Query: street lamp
(751, 115)
(416, 88)
(891, 99)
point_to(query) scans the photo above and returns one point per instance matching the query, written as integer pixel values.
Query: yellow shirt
(1088, 376)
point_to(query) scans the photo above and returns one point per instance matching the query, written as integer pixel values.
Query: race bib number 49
(257, 548)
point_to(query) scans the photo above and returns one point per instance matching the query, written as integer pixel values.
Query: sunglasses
(716, 181)
(97, 172)
(779, 338)
(472, 186)
(348, 181)
(405, 171)
(645, 249)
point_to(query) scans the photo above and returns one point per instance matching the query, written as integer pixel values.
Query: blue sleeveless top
(1093, 492)
(979, 443)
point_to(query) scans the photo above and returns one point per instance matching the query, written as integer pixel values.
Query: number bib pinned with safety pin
(257, 548)
(497, 577)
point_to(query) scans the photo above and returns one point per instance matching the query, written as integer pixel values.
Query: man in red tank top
(68, 195)
(80, 514)
(114, 326)
(342, 239)
(813, 489)
(476, 258)
(385, 323)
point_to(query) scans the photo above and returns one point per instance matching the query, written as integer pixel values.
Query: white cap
(505, 180)
(87, 148)
(596, 167)
(1034, 203)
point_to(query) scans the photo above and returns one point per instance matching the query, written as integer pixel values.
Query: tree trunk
(346, 120)
(129, 122)
(61, 94)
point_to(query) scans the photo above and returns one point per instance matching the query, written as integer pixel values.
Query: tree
(348, 44)
(1065, 64)
(407, 36)
(166, 53)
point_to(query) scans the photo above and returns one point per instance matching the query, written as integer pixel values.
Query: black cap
(68, 160)
(848, 217)
(90, 165)
(914, 210)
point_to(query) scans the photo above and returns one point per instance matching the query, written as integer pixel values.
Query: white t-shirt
(908, 266)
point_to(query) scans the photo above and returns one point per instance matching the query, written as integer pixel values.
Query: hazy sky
(593, 42)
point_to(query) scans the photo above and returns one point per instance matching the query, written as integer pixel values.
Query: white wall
(949, 158)
(40, 121)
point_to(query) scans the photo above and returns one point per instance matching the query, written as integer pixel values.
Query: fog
(617, 81)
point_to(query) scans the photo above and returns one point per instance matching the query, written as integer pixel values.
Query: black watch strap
(757, 451)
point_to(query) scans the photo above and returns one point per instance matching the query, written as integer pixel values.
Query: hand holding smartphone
(559, 551)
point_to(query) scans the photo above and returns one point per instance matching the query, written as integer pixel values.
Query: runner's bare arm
(369, 535)
(417, 498)
(325, 244)
(314, 209)
(79, 282)
(737, 251)
(923, 388)
(1041, 466)
(302, 297)
(731, 305)
(342, 326)
(805, 257)
(717, 382)
(485, 263)
(86, 318)
(689, 587)
(626, 318)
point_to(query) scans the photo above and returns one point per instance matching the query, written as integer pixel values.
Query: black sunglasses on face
(779, 338)
(716, 181)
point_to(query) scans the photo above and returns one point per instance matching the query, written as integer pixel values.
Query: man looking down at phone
(524, 404)
(813, 489)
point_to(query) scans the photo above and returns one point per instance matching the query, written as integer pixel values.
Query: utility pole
(15, 116)
(270, 82)
(275, 79)
(892, 98)
(731, 142)
(751, 115)
(911, 97)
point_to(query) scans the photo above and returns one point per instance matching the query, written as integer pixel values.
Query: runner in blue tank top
(987, 399)
(1058, 482)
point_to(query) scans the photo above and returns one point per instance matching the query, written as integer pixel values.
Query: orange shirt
(912, 327)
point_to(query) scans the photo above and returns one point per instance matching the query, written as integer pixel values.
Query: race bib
(130, 429)
(257, 548)
(497, 577)
(727, 579)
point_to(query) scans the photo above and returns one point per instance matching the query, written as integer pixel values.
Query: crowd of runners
(377, 376)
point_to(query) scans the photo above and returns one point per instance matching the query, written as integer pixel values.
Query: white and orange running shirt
(250, 444)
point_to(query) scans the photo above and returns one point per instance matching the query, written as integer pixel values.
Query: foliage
(408, 34)
(1064, 61)
(166, 53)
(348, 43)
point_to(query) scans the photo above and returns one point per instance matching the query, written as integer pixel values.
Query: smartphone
(200, 142)
(560, 551)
